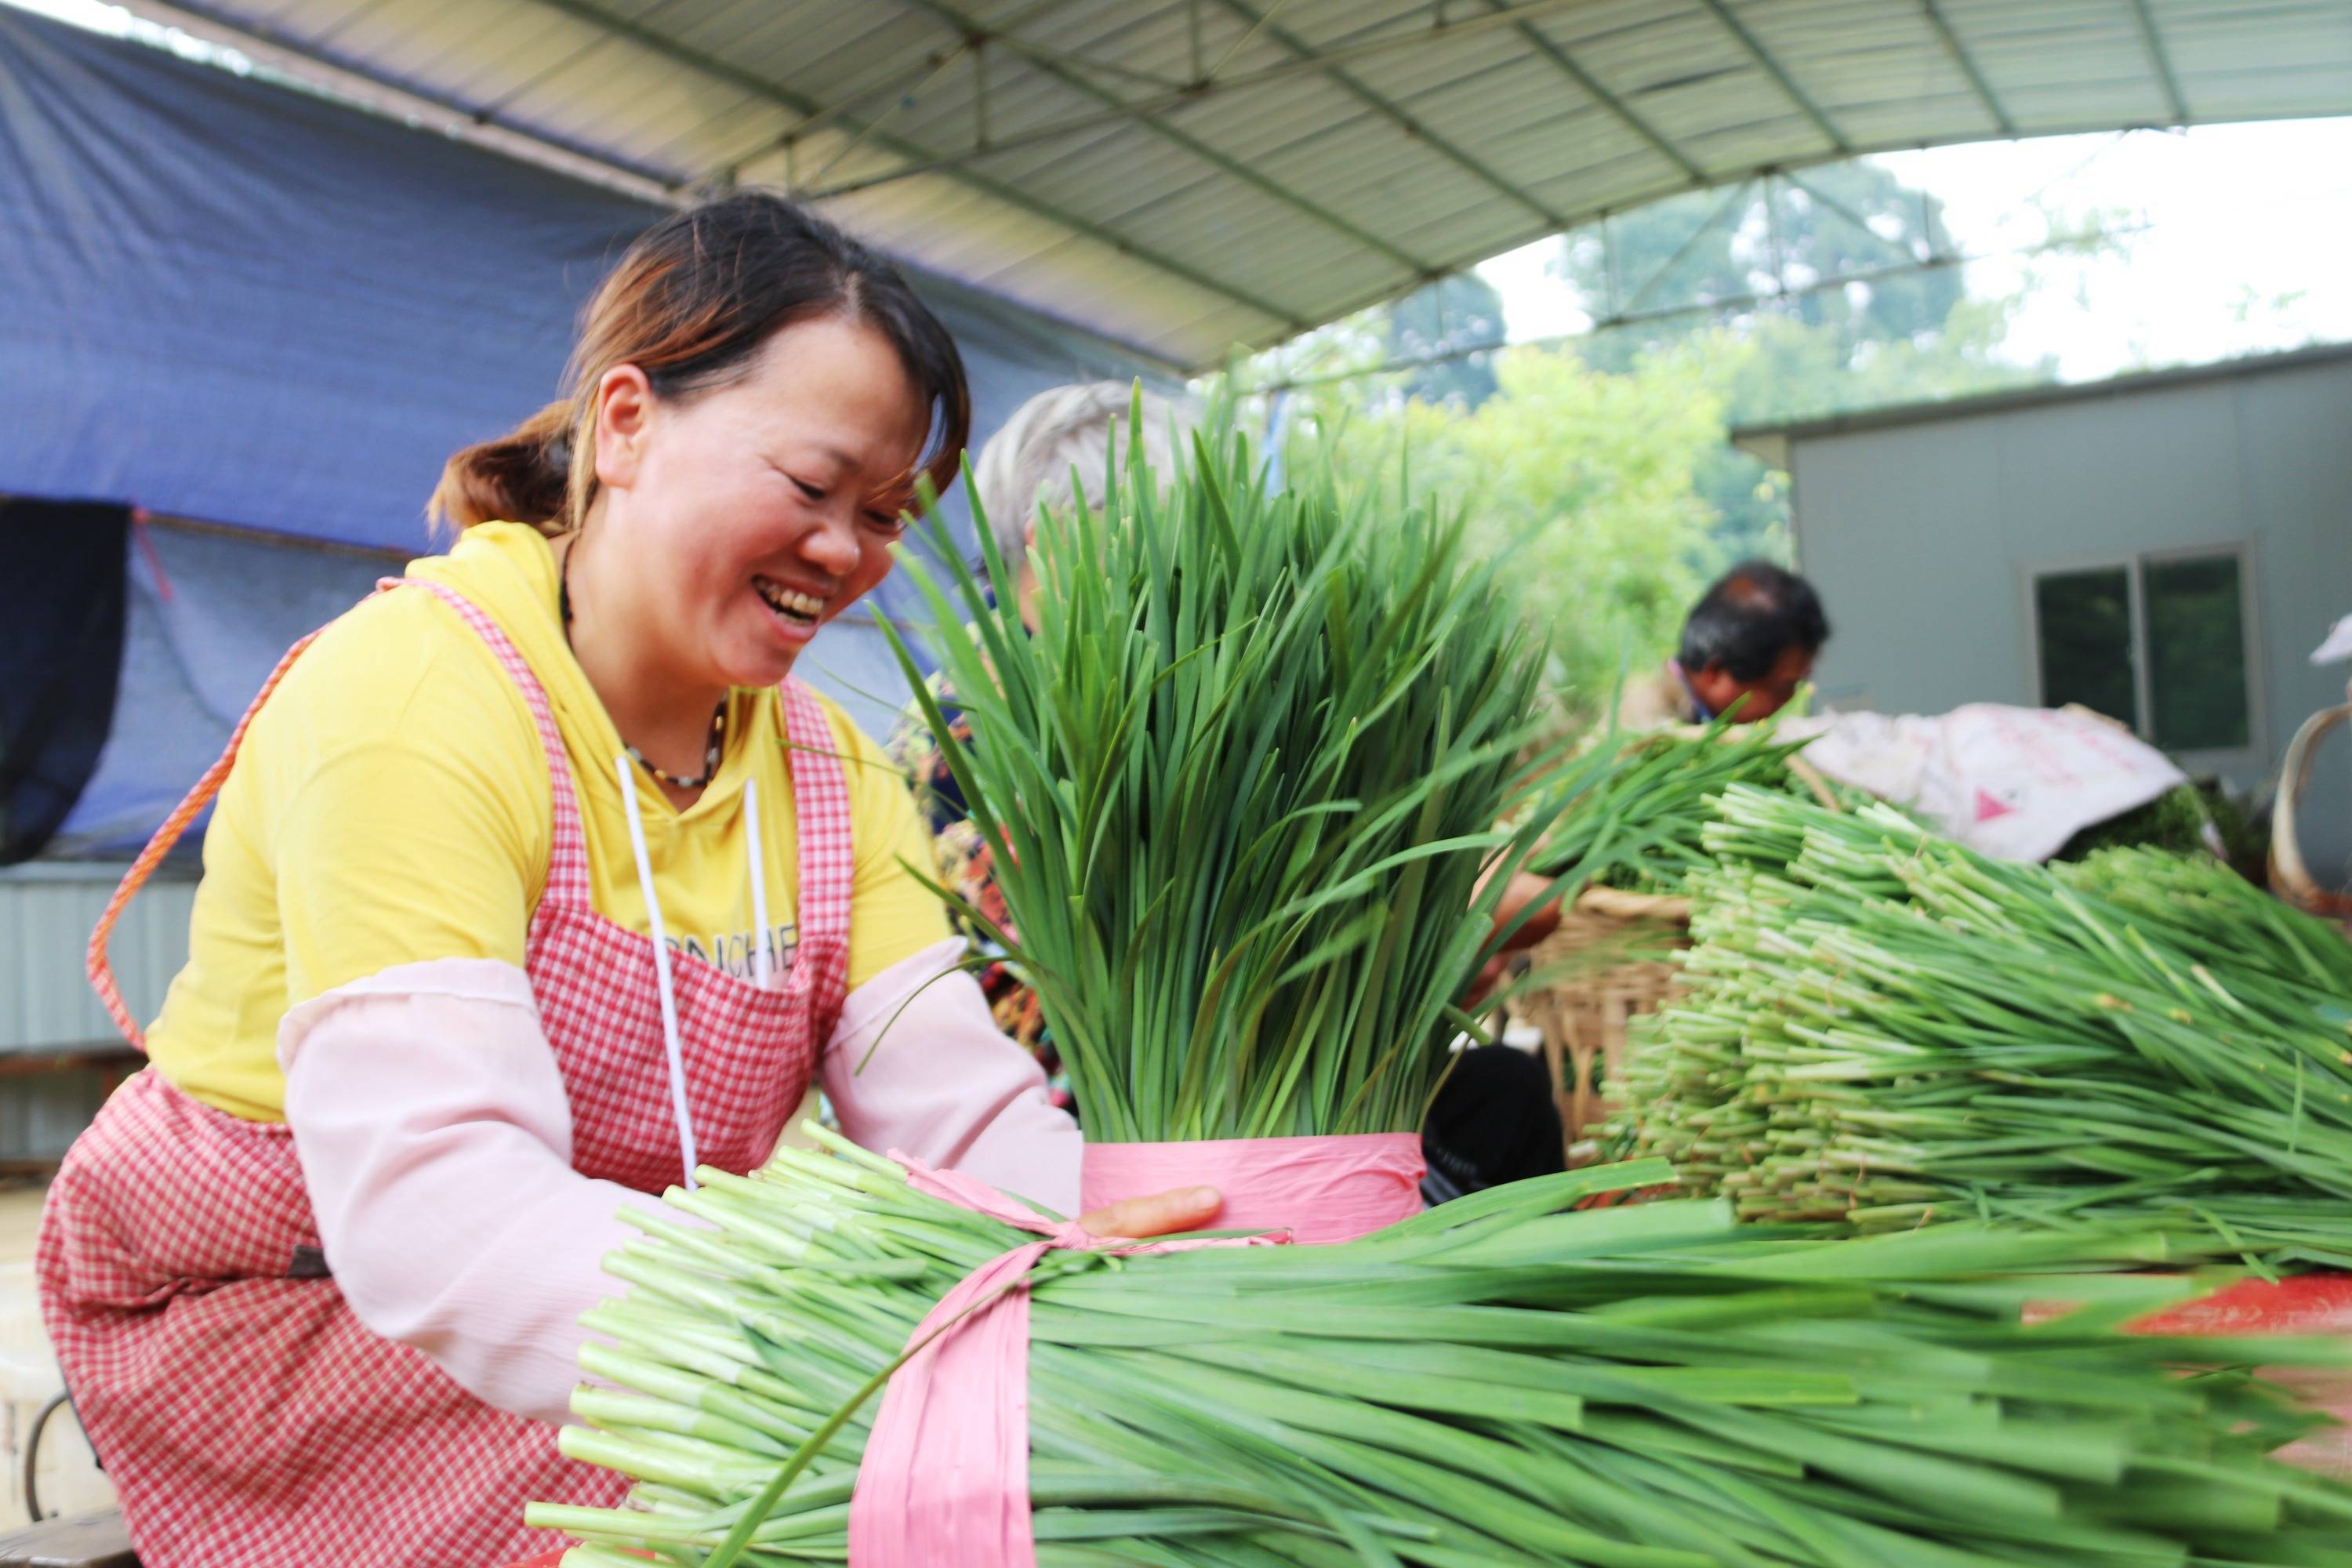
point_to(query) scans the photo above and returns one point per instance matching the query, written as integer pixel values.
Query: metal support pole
(980, 92)
(1609, 263)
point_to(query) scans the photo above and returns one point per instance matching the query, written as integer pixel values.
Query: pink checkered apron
(245, 1415)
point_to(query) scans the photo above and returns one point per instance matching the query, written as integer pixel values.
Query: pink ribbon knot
(945, 1478)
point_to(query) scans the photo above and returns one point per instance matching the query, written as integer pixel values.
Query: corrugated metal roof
(1191, 176)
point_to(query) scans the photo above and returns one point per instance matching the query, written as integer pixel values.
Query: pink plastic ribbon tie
(1318, 1189)
(946, 1473)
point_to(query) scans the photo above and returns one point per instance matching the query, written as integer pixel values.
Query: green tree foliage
(1586, 477)
(1782, 248)
(1608, 462)
(1833, 289)
(1452, 317)
(1773, 368)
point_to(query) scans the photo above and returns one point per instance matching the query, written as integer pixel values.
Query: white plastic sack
(2338, 646)
(2016, 782)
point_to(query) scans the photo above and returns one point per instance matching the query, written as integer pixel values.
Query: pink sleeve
(435, 1139)
(917, 1063)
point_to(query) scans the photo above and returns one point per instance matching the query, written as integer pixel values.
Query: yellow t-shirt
(391, 805)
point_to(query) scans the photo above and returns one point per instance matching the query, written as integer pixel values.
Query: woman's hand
(1179, 1208)
(1524, 890)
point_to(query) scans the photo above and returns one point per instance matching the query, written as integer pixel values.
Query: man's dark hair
(1754, 613)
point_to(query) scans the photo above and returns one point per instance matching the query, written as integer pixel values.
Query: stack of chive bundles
(1239, 788)
(1886, 1029)
(1635, 807)
(1498, 1384)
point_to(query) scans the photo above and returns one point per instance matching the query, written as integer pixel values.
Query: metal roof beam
(1257, 24)
(1344, 308)
(1274, 190)
(1744, 301)
(1831, 204)
(1388, 107)
(1153, 80)
(896, 80)
(1601, 95)
(2162, 60)
(1779, 73)
(1288, 70)
(759, 87)
(387, 96)
(1968, 65)
(520, 90)
(1714, 220)
(893, 80)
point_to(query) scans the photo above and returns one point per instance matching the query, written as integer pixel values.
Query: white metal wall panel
(47, 914)
(1920, 534)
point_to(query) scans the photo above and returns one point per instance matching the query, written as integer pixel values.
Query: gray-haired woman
(1058, 438)
(1031, 461)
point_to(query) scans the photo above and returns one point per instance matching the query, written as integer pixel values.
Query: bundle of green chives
(2221, 919)
(1885, 1028)
(1500, 1384)
(1645, 798)
(1240, 788)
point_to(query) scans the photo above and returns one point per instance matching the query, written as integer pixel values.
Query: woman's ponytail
(524, 476)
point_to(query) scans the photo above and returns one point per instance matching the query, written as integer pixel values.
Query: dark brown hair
(1754, 613)
(692, 300)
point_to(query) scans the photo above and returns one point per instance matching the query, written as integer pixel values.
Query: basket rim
(1618, 904)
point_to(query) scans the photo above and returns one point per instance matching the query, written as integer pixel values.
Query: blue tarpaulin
(230, 300)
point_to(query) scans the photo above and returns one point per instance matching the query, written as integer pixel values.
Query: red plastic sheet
(2309, 1304)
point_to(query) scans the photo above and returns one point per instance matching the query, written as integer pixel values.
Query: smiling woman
(728, 528)
(529, 891)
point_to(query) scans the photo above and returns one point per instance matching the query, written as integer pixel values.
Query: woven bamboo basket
(2290, 879)
(1616, 952)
